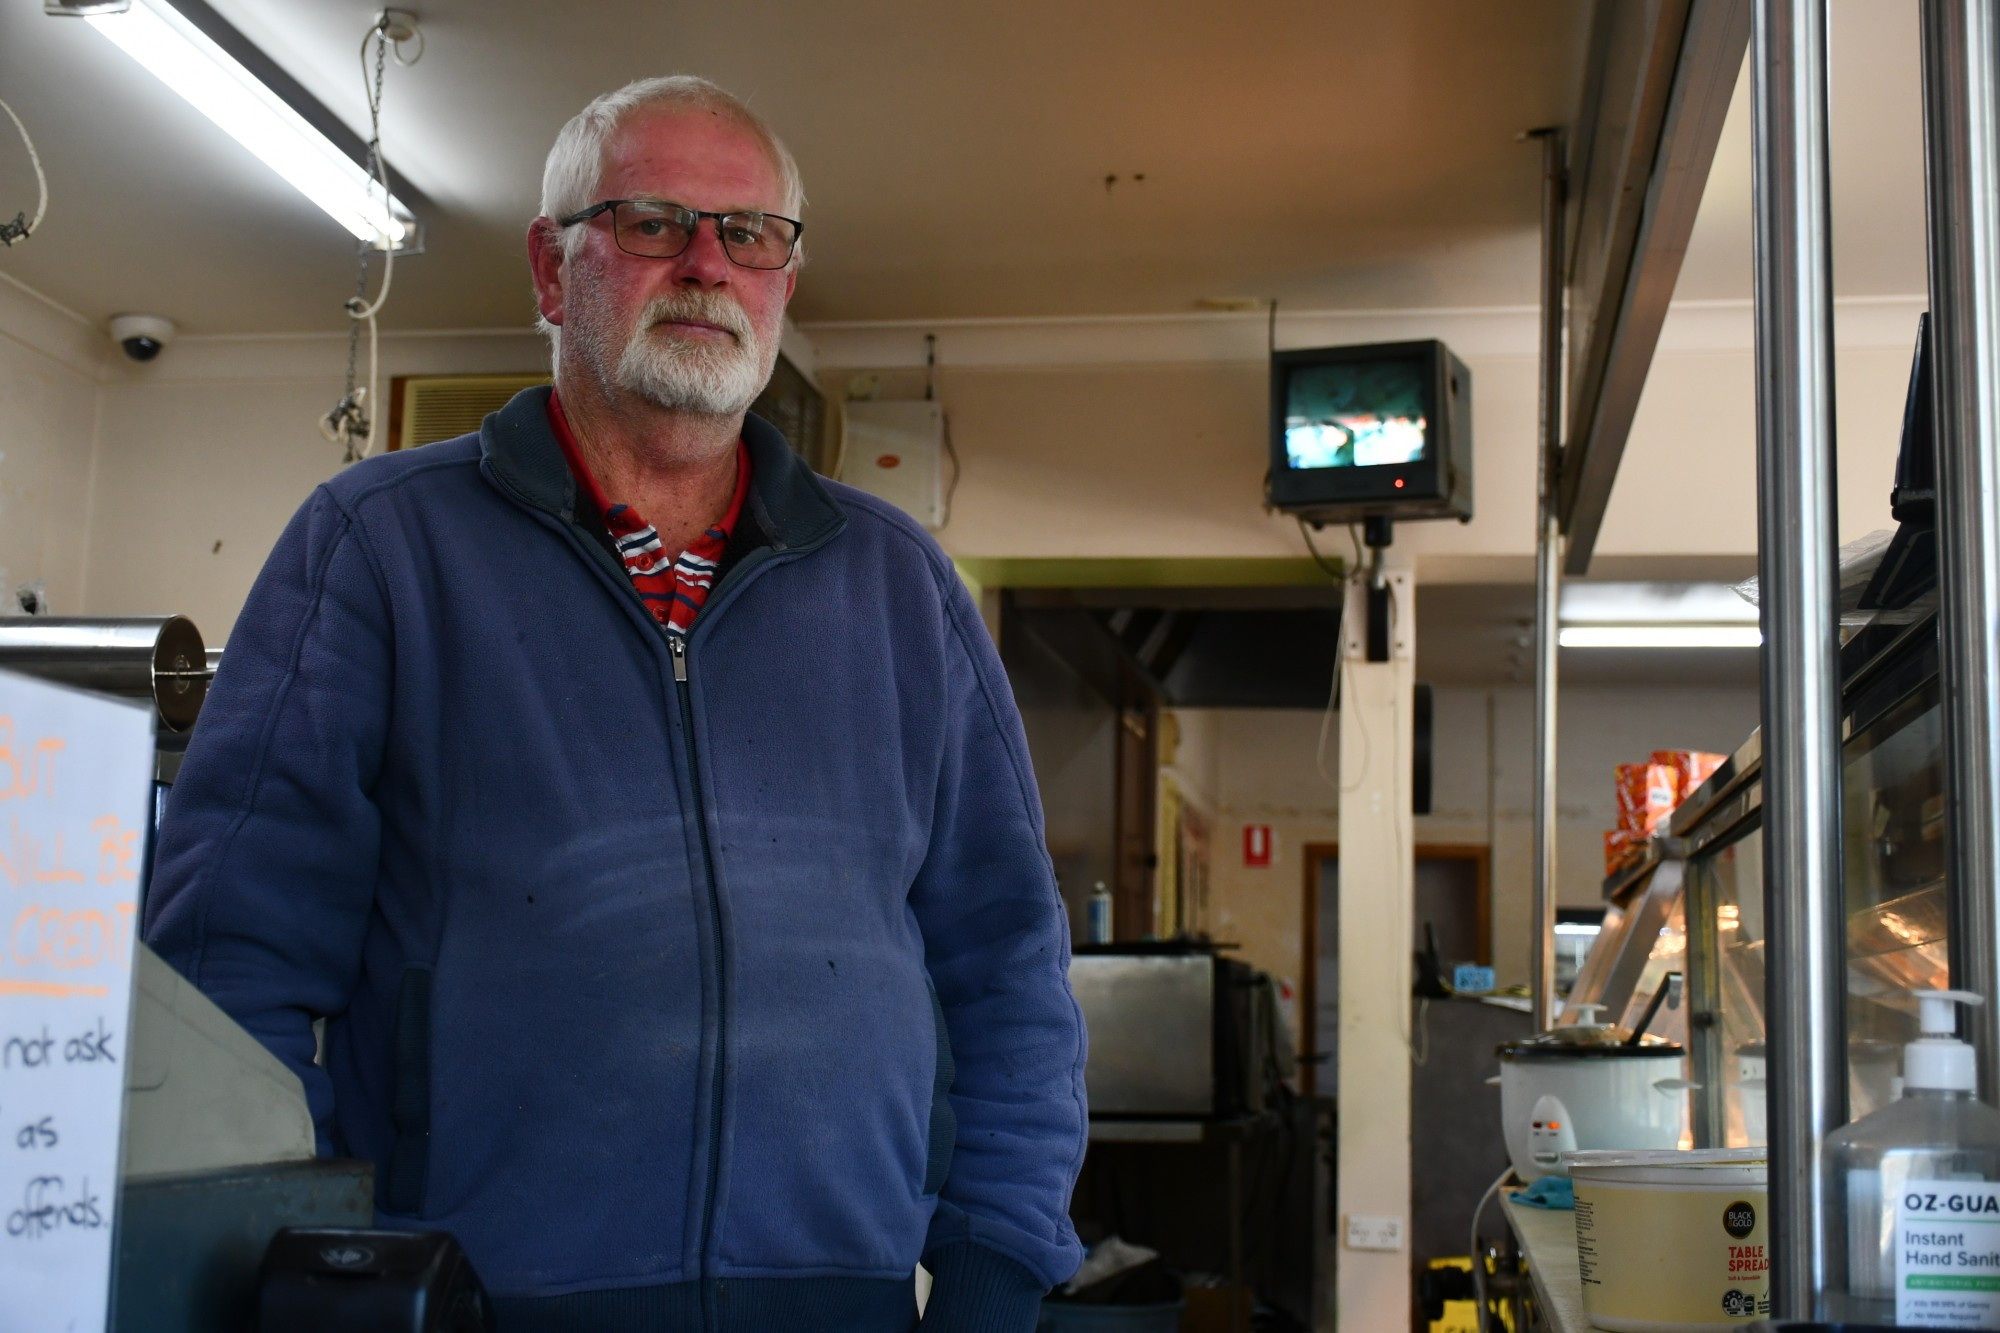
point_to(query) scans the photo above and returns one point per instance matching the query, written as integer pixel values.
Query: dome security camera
(141, 337)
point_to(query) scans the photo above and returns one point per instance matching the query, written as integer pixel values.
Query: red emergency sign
(1256, 845)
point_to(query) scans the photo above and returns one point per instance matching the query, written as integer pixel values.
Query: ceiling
(1335, 154)
(1331, 154)
(1875, 150)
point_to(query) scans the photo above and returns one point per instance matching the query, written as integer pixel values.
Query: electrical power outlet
(1365, 1232)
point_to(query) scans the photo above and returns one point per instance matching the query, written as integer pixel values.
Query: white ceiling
(1334, 154)
(1875, 145)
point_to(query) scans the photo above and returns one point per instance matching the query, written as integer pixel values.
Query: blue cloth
(1552, 1192)
(631, 983)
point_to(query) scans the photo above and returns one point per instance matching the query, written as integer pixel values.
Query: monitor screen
(1356, 414)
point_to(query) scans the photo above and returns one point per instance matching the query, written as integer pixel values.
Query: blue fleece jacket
(690, 989)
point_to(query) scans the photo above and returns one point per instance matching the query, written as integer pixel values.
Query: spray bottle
(1100, 914)
(1917, 1184)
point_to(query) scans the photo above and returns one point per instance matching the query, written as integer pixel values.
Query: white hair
(575, 165)
(576, 160)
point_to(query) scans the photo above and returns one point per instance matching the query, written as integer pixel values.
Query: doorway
(1453, 896)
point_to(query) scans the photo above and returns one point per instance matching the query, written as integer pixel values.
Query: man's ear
(545, 263)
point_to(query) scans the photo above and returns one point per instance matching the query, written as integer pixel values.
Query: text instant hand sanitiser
(1917, 1184)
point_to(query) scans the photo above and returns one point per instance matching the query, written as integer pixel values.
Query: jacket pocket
(944, 1121)
(402, 1185)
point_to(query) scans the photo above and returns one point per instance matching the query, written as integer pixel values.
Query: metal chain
(352, 415)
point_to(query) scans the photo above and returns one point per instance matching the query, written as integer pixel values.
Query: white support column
(1377, 871)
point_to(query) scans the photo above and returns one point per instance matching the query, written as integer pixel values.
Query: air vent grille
(430, 408)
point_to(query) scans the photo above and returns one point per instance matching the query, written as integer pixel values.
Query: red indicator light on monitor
(1399, 483)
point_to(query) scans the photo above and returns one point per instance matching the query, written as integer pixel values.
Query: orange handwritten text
(67, 941)
(51, 989)
(25, 773)
(115, 850)
(27, 859)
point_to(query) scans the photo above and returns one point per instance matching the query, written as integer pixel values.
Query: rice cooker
(1583, 1087)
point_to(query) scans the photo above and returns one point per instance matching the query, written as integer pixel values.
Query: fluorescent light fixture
(184, 58)
(1577, 929)
(1654, 604)
(1656, 615)
(1659, 636)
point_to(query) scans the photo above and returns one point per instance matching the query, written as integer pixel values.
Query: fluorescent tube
(1654, 604)
(1660, 636)
(215, 84)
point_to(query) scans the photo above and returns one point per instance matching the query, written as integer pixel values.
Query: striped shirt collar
(674, 588)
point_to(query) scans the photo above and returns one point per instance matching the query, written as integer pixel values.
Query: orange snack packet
(1647, 794)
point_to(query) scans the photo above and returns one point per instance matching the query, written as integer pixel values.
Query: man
(682, 927)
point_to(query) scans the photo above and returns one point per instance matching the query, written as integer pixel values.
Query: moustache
(698, 306)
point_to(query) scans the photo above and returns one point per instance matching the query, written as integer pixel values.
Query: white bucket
(1671, 1241)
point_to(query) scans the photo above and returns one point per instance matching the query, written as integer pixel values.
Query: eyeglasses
(654, 229)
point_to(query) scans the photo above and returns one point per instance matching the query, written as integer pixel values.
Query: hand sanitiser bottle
(1917, 1183)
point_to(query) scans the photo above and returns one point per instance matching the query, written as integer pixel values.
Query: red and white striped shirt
(674, 588)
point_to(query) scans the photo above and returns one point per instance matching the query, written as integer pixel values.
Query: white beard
(685, 375)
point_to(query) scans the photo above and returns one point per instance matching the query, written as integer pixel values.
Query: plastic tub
(1672, 1241)
(1081, 1317)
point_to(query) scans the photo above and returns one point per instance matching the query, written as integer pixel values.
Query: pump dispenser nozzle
(1938, 1060)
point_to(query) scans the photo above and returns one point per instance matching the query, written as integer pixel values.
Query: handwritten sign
(75, 784)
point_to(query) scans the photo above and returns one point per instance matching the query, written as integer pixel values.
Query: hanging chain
(349, 419)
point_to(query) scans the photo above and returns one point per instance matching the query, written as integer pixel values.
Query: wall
(1147, 437)
(1268, 771)
(48, 422)
(1122, 437)
(204, 455)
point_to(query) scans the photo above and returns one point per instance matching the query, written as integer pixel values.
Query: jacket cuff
(978, 1290)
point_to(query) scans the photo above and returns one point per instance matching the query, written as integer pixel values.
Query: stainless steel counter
(1548, 1239)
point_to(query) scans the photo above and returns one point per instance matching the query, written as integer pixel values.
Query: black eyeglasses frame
(610, 205)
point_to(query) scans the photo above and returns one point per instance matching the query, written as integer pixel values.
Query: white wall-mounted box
(895, 450)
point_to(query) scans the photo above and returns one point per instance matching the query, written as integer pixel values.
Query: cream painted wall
(220, 445)
(216, 442)
(1094, 458)
(205, 455)
(48, 422)
(1267, 772)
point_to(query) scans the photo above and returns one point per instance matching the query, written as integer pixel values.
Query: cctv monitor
(1378, 430)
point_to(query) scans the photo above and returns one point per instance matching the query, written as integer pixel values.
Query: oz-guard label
(1948, 1254)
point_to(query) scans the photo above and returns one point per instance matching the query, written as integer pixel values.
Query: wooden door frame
(1315, 855)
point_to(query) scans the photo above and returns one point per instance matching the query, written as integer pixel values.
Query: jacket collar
(786, 499)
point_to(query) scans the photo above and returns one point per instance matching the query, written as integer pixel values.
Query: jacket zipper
(677, 646)
(677, 649)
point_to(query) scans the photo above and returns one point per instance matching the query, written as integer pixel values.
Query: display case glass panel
(1729, 877)
(1893, 828)
(1896, 907)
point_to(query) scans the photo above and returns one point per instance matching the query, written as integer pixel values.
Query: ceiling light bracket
(400, 27)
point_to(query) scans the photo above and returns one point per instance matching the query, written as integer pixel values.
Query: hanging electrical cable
(944, 421)
(19, 228)
(354, 420)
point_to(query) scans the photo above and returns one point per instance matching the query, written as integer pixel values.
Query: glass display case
(1697, 900)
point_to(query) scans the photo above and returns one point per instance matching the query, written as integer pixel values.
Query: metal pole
(1548, 580)
(1961, 137)
(1803, 987)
